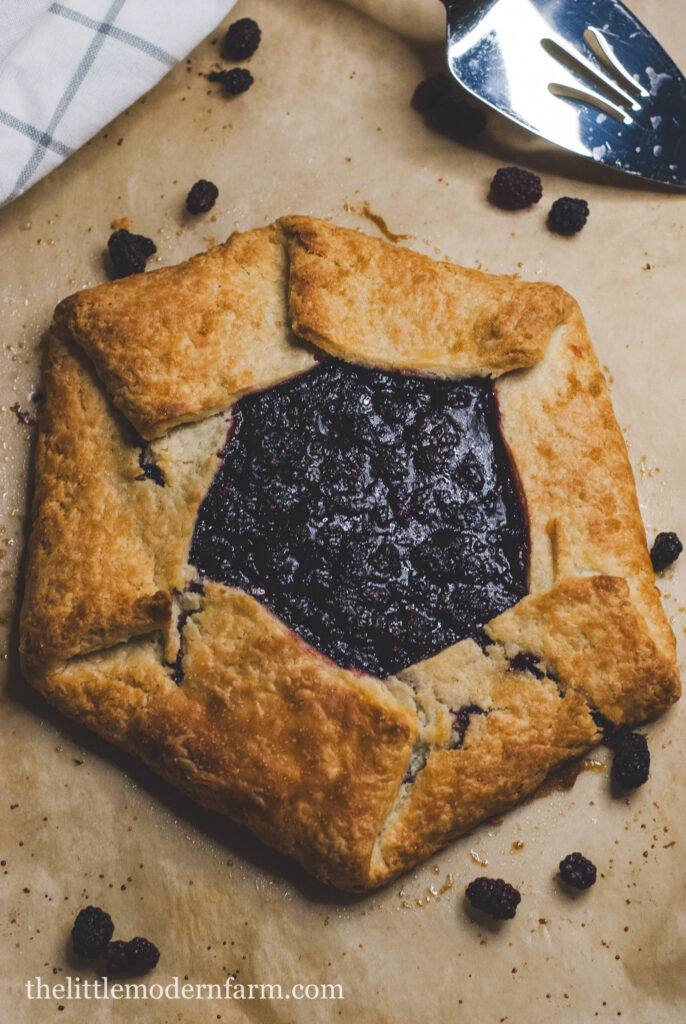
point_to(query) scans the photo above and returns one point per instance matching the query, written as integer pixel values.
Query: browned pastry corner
(359, 778)
(361, 299)
(183, 342)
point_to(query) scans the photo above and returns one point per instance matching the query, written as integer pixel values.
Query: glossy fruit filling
(377, 514)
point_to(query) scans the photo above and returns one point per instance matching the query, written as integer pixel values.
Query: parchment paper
(327, 128)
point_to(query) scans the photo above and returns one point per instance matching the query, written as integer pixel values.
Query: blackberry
(92, 931)
(141, 955)
(234, 82)
(241, 40)
(665, 550)
(202, 196)
(430, 92)
(577, 871)
(455, 119)
(513, 188)
(115, 955)
(631, 761)
(129, 252)
(138, 955)
(494, 896)
(567, 216)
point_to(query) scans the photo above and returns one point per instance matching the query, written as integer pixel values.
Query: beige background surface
(326, 129)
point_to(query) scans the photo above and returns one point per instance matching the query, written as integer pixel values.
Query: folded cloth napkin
(67, 69)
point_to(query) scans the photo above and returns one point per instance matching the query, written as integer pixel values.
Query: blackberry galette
(341, 540)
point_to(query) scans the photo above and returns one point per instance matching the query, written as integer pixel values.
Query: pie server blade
(584, 74)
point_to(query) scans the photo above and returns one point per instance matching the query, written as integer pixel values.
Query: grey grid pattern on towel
(77, 66)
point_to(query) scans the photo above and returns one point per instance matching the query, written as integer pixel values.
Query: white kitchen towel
(67, 69)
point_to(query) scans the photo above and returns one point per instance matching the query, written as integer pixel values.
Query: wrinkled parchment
(327, 129)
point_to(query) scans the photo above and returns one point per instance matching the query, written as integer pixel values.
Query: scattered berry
(129, 252)
(234, 82)
(445, 113)
(513, 188)
(455, 119)
(631, 761)
(494, 897)
(577, 871)
(141, 955)
(567, 216)
(665, 550)
(430, 92)
(138, 955)
(202, 196)
(241, 40)
(115, 955)
(92, 931)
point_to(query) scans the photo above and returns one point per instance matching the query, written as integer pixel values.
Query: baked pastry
(341, 540)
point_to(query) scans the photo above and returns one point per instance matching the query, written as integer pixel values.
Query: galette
(341, 540)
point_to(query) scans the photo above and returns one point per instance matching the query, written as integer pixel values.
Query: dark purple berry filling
(526, 661)
(461, 721)
(177, 666)
(377, 514)
(150, 469)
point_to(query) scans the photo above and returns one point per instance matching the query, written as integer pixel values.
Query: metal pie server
(584, 74)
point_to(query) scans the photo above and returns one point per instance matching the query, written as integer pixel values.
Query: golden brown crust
(108, 546)
(508, 755)
(305, 753)
(366, 301)
(261, 728)
(574, 470)
(91, 575)
(105, 689)
(588, 631)
(356, 778)
(179, 343)
(597, 656)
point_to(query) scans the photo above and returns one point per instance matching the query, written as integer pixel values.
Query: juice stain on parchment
(433, 894)
(564, 777)
(366, 211)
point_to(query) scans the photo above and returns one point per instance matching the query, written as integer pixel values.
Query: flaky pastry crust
(357, 778)
(183, 342)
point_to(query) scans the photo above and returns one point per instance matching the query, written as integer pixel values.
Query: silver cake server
(584, 74)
